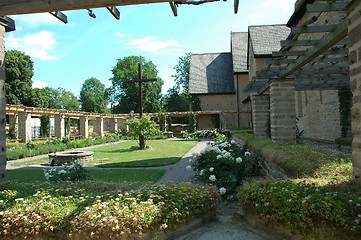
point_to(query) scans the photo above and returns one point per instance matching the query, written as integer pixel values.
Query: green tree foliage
(19, 71)
(142, 129)
(181, 77)
(40, 98)
(93, 96)
(124, 96)
(62, 99)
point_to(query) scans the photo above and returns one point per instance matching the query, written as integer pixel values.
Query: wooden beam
(312, 29)
(9, 23)
(288, 53)
(325, 43)
(327, 7)
(13, 7)
(114, 11)
(61, 16)
(235, 6)
(174, 8)
(293, 43)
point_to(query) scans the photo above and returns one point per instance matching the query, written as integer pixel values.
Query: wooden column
(2, 107)
(354, 33)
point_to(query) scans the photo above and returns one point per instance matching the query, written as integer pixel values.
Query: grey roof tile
(211, 73)
(266, 39)
(239, 46)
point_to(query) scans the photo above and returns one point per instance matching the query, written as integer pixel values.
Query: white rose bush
(72, 171)
(225, 164)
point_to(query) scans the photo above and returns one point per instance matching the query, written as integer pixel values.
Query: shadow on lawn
(153, 162)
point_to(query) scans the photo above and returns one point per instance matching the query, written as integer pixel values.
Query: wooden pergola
(315, 54)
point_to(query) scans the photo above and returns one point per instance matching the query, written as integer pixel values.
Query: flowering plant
(73, 171)
(225, 164)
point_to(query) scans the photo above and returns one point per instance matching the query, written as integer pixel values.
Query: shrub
(21, 150)
(73, 171)
(303, 207)
(142, 129)
(226, 165)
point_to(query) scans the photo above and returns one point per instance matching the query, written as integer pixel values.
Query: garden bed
(319, 195)
(95, 210)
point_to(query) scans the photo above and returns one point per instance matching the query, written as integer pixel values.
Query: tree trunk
(141, 142)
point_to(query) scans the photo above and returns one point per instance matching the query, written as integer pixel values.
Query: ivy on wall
(345, 104)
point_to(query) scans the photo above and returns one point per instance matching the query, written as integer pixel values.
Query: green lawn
(163, 152)
(103, 175)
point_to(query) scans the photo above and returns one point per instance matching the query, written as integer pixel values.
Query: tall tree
(124, 96)
(93, 96)
(181, 77)
(60, 98)
(19, 69)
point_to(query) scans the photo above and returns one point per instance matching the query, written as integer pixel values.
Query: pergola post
(2, 107)
(260, 114)
(99, 126)
(83, 126)
(354, 33)
(113, 125)
(283, 111)
(13, 125)
(59, 126)
(25, 126)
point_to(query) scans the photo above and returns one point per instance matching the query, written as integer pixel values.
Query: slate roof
(211, 73)
(266, 39)
(239, 47)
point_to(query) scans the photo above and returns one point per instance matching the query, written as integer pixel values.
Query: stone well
(58, 159)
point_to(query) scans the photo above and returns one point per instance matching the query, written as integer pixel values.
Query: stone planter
(58, 159)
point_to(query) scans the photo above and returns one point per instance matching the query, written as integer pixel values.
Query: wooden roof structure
(37, 112)
(315, 53)
(54, 7)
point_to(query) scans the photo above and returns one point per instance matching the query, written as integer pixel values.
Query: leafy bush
(206, 134)
(226, 165)
(73, 171)
(142, 129)
(303, 207)
(99, 210)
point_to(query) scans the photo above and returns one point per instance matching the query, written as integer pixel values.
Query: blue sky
(65, 55)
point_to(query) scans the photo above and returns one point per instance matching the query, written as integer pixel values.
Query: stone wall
(354, 33)
(221, 102)
(2, 107)
(318, 114)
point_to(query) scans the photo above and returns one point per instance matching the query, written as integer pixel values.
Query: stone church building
(220, 81)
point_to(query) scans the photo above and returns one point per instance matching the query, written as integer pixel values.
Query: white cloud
(119, 34)
(36, 45)
(152, 44)
(149, 44)
(39, 84)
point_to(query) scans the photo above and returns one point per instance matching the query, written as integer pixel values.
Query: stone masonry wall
(260, 114)
(282, 111)
(2, 108)
(318, 114)
(354, 33)
(223, 102)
